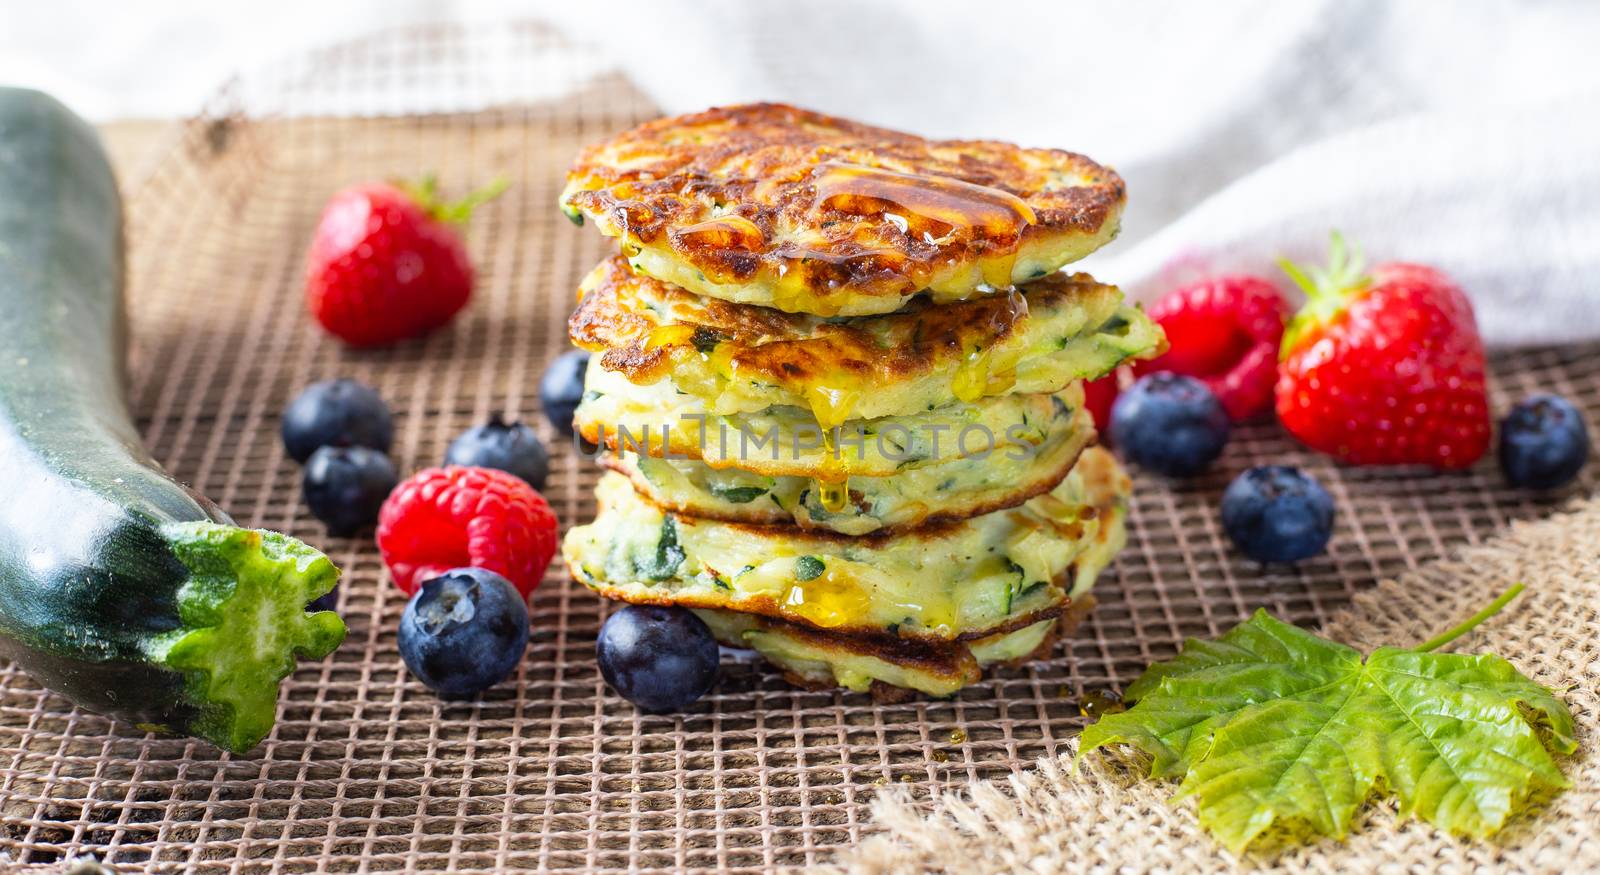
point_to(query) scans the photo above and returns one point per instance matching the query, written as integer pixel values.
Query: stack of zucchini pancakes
(838, 374)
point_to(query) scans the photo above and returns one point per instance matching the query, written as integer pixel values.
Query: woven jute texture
(1105, 818)
(367, 770)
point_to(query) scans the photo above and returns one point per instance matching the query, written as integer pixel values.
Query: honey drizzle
(833, 487)
(971, 376)
(996, 270)
(977, 376)
(829, 601)
(834, 495)
(731, 231)
(939, 201)
(832, 407)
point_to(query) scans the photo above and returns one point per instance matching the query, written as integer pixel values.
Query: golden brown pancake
(915, 496)
(782, 441)
(739, 358)
(894, 671)
(783, 207)
(963, 581)
(818, 660)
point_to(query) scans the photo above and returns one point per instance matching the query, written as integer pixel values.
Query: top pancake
(782, 207)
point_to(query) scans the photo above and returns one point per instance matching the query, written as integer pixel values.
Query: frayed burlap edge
(1105, 817)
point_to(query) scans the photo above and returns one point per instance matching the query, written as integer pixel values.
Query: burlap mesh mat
(1105, 818)
(367, 770)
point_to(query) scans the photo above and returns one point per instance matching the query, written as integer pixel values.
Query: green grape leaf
(1272, 727)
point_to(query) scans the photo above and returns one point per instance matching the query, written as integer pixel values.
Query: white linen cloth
(1461, 134)
(1465, 135)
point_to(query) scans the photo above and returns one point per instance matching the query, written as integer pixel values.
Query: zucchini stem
(243, 624)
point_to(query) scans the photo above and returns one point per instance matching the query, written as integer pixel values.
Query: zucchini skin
(91, 571)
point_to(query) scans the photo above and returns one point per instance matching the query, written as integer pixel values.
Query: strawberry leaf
(1328, 290)
(425, 192)
(1271, 726)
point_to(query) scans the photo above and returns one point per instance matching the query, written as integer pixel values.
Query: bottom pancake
(818, 660)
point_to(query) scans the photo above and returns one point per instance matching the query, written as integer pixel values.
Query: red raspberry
(1224, 332)
(1098, 396)
(444, 518)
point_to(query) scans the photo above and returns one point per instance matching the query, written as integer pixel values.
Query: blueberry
(561, 389)
(328, 601)
(660, 659)
(1543, 443)
(1275, 513)
(511, 447)
(345, 486)
(464, 631)
(336, 413)
(1169, 423)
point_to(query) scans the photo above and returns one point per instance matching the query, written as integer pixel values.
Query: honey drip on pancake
(832, 406)
(723, 232)
(829, 601)
(997, 269)
(791, 294)
(972, 376)
(982, 373)
(935, 205)
(834, 495)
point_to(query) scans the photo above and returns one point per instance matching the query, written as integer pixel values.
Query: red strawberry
(444, 518)
(387, 263)
(1225, 332)
(1384, 368)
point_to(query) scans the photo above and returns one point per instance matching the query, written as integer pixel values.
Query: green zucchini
(120, 588)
